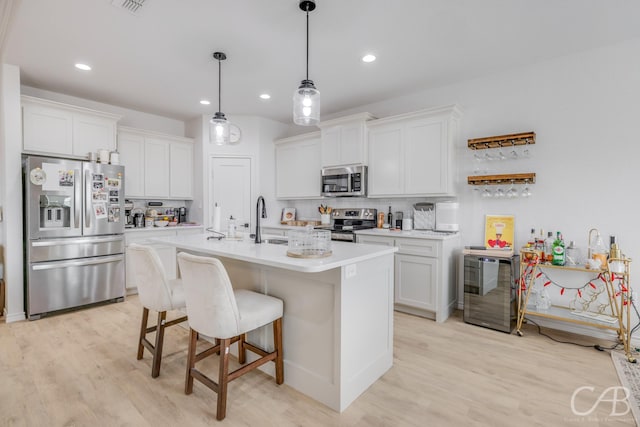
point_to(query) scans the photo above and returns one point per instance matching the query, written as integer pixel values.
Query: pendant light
(221, 131)
(306, 99)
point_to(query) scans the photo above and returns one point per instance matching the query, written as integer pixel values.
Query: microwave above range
(344, 181)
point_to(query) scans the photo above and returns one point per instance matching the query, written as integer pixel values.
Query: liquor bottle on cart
(558, 250)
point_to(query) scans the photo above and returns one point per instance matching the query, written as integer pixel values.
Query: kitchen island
(338, 310)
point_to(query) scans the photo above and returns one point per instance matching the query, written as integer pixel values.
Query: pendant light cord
(307, 41)
(219, 85)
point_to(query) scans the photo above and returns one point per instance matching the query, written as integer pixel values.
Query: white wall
(11, 181)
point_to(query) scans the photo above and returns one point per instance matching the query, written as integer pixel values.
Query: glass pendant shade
(219, 129)
(306, 104)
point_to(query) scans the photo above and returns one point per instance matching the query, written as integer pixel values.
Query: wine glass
(486, 193)
(526, 191)
(512, 193)
(499, 191)
(500, 155)
(513, 154)
(524, 150)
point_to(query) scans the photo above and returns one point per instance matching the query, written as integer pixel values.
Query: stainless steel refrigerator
(74, 233)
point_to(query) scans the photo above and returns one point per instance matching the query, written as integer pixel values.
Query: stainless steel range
(347, 220)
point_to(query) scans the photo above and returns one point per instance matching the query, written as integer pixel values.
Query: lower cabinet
(425, 274)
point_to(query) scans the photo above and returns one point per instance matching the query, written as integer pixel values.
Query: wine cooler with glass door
(490, 291)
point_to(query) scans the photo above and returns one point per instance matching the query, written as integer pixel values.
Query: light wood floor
(80, 369)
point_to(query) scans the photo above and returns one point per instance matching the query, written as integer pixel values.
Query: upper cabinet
(157, 166)
(344, 140)
(51, 127)
(298, 167)
(413, 154)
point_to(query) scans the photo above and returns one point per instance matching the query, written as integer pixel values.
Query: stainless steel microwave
(344, 181)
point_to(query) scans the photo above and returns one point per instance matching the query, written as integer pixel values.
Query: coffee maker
(182, 215)
(128, 207)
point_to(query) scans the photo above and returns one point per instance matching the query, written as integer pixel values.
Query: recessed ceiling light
(205, 102)
(368, 58)
(265, 96)
(83, 67)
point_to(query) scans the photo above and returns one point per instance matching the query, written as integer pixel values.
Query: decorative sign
(498, 232)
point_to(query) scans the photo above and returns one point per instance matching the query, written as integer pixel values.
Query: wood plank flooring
(80, 369)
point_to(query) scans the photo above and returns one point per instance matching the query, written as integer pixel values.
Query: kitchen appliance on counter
(74, 233)
(344, 181)
(490, 291)
(182, 215)
(345, 221)
(128, 216)
(447, 216)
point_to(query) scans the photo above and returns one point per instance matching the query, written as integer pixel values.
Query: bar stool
(217, 311)
(157, 293)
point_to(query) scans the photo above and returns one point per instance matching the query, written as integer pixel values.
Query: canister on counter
(148, 222)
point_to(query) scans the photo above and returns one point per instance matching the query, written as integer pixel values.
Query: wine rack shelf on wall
(515, 178)
(500, 141)
(526, 138)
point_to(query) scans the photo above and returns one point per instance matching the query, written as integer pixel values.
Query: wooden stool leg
(191, 361)
(242, 352)
(157, 354)
(223, 379)
(277, 341)
(143, 331)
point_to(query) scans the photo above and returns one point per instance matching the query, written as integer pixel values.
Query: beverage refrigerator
(74, 233)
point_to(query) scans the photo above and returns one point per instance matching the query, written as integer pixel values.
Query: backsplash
(308, 209)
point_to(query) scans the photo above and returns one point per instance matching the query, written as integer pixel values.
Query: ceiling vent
(132, 6)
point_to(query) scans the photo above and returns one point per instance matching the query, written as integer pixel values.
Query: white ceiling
(160, 61)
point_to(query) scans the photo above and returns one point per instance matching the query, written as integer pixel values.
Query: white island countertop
(343, 253)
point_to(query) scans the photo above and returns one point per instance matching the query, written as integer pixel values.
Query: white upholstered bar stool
(217, 311)
(157, 293)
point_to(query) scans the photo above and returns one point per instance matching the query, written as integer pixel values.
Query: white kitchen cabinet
(157, 166)
(298, 167)
(181, 170)
(344, 140)
(412, 155)
(131, 148)
(424, 282)
(51, 127)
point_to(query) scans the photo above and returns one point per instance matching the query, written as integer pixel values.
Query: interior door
(230, 186)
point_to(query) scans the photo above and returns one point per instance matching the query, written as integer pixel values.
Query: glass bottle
(558, 251)
(548, 247)
(531, 243)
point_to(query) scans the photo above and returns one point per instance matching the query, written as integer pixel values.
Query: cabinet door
(131, 149)
(416, 281)
(156, 168)
(386, 177)
(331, 147)
(425, 157)
(181, 171)
(352, 144)
(374, 240)
(298, 169)
(92, 133)
(47, 130)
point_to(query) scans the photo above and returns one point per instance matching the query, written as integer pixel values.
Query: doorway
(230, 188)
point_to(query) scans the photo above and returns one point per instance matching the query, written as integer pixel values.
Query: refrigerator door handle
(78, 263)
(60, 242)
(76, 202)
(87, 199)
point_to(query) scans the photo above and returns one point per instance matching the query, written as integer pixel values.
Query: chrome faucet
(258, 216)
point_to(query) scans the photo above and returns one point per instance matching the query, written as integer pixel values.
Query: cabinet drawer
(430, 248)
